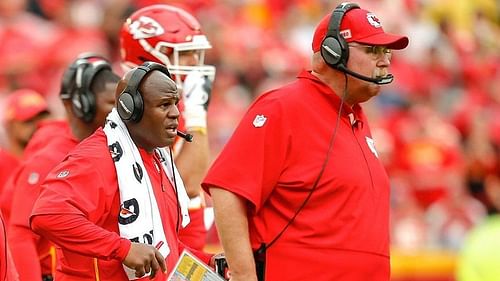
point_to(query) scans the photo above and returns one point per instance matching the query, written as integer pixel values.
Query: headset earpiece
(87, 96)
(334, 48)
(83, 103)
(83, 72)
(332, 51)
(130, 104)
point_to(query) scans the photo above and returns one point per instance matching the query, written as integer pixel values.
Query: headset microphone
(186, 136)
(379, 80)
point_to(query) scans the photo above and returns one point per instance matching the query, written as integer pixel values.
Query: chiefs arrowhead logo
(145, 27)
(112, 124)
(373, 20)
(116, 151)
(138, 173)
(129, 211)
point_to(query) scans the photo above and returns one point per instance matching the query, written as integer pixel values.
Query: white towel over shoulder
(139, 219)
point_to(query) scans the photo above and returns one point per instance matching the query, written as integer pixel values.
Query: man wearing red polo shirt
(87, 104)
(24, 109)
(115, 204)
(299, 191)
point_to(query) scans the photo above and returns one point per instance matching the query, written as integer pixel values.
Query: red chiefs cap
(24, 104)
(360, 26)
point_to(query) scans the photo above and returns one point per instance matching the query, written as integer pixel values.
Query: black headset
(130, 104)
(76, 83)
(334, 48)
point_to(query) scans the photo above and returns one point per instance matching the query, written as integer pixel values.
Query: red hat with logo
(24, 104)
(361, 26)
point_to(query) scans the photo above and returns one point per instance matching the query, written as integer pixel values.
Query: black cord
(177, 225)
(330, 147)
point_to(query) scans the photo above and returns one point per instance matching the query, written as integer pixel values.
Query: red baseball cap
(362, 26)
(24, 104)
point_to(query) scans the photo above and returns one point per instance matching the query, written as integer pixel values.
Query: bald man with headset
(297, 207)
(116, 203)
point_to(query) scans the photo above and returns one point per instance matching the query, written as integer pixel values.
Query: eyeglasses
(377, 52)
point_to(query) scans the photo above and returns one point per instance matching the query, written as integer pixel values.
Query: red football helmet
(160, 33)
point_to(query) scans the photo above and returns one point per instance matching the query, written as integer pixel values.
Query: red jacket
(78, 209)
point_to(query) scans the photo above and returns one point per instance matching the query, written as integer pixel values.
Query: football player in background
(171, 36)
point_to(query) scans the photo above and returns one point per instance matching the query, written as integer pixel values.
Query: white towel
(139, 219)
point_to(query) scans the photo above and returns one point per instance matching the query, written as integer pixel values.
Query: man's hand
(196, 94)
(143, 259)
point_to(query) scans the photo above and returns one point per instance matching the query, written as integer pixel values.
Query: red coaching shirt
(79, 203)
(32, 253)
(273, 159)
